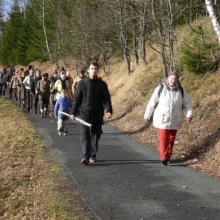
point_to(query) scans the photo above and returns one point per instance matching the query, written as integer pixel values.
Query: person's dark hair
(30, 67)
(45, 74)
(62, 69)
(26, 72)
(95, 64)
(82, 71)
(55, 71)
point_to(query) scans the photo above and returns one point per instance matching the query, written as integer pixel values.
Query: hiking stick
(78, 119)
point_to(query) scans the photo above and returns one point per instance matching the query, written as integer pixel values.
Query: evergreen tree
(35, 44)
(197, 55)
(9, 50)
(2, 24)
(87, 30)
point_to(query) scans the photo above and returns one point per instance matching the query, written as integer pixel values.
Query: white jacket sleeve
(187, 104)
(152, 103)
(25, 80)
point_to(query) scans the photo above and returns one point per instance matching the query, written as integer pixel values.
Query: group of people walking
(88, 97)
(91, 100)
(35, 91)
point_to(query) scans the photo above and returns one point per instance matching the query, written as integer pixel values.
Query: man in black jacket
(91, 99)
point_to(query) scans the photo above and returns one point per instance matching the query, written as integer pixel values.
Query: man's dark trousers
(89, 139)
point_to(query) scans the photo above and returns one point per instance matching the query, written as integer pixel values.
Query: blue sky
(7, 6)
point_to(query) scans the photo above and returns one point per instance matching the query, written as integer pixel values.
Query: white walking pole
(78, 119)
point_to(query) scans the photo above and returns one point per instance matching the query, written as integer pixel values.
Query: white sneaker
(92, 160)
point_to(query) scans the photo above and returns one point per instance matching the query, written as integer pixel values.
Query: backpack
(161, 89)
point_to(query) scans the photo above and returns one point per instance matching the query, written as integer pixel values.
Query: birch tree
(45, 31)
(214, 15)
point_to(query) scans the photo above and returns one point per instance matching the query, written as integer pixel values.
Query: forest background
(136, 44)
(140, 41)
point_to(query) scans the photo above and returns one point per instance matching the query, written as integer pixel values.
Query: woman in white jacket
(167, 103)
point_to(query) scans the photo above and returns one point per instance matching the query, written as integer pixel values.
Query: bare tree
(213, 13)
(45, 31)
(123, 34)
(142, 21)
(143, 30)
(163, 15)
(134, 32)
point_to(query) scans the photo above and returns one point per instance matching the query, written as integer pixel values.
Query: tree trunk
(213, 13)
(143, 50)
(124, 41)
(127, 60)
(162, 48)
(45, 33)
(136, 58)
(142, 30)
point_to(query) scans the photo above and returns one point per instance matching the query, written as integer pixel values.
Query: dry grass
(198, 142)
(32, 185)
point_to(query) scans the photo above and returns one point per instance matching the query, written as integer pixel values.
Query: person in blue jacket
(63, 104)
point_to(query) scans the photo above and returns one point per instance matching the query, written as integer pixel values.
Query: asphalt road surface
(128, 182)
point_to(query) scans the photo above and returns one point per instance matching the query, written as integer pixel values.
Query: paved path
(128, 182)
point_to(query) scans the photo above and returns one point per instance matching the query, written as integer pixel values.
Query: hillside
(197, 143)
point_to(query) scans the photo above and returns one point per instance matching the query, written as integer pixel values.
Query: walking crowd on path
(58, 95)
(87, 97)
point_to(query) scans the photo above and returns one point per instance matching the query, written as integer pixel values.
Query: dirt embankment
(197, 143)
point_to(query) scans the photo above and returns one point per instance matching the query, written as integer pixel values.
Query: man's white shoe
(92, 160)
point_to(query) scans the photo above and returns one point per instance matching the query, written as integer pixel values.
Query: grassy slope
(32, 185)
(198, 142)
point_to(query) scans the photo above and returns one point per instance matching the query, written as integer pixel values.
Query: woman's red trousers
(167, 138)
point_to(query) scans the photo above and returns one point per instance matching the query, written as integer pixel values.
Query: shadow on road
(125, 162)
